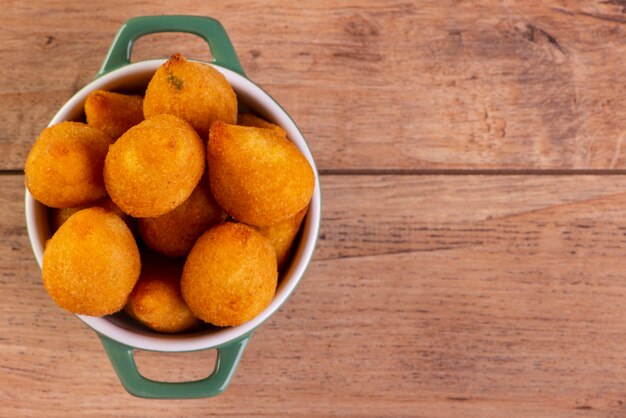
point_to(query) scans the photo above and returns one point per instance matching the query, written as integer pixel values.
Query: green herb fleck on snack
(176, 82)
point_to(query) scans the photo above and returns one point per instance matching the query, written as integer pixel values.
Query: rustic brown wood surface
(471, 257)
(378, 85)
(510, 302)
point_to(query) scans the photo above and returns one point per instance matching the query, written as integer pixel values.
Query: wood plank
(391, 85)
(447, 296)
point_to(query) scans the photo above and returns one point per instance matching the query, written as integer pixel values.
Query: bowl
(119, 334)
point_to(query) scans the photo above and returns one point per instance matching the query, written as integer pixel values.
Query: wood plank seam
(436, 172)
(472, 172)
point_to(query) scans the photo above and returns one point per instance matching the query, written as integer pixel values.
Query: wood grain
(430, 295)
(433, 85)
(446, 296)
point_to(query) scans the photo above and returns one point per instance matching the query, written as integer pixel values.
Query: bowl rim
(149, 340)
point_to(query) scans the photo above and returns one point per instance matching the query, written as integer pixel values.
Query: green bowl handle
(207, 28)
(123, 360)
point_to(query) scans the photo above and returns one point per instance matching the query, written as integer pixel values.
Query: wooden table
(471, 261)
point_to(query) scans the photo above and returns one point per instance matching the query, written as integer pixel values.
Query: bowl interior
(134, 78)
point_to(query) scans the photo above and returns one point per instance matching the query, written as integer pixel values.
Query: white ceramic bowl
(118, 327)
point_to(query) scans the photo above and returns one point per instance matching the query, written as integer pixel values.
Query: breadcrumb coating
(156, 300)
(64, 166)
(91, 263)
(59, 216)
(113, 113)
(230, 275)
(174, 233)
(193, 91)
(248, 119)
(282, 236)
(154, 166)
(257, 176)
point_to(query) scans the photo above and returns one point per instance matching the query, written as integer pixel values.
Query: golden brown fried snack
(113, 113)
(248, 119)
(59, 216)
(154, 166)
(193, 91)
(91, 263)
(282, 234)
(257, 176)
(230, 275)
(174, 233)
(156, 300)
(64, 166)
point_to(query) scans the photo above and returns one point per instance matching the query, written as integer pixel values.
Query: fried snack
(230, 275)
(91, 263)
(257, 176)
(248, 119)
(282, 235)
(156, 300)
(59, 216)
(174, 233)
(113, 113)
(64, 166)
(193, 91)
(154, 166)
